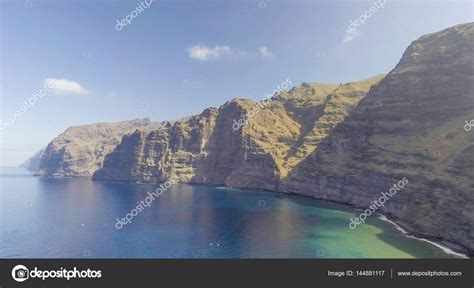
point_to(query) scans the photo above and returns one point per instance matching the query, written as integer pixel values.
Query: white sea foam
(445, 249)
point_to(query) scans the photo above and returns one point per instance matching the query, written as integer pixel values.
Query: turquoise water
(76, 218)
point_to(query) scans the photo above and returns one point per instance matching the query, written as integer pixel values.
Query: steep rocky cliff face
(171, 150)
(80, 150)
(209, 149)
(409, 125)
(32, 163)
(339, 142)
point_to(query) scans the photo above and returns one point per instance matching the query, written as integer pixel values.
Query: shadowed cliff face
(340, 142)
(409, 125)
(80, 150)
(173, 150)
(32, 163)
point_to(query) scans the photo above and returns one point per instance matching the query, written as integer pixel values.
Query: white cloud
(265, 52)
(202, 52)
(63, 86)
(350, 35)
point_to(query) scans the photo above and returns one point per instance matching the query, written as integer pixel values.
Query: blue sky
(177, 58)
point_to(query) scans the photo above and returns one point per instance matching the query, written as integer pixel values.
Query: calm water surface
(76, 217)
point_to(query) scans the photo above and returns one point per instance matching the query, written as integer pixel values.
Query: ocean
(78, 218)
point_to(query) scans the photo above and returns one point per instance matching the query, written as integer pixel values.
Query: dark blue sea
(76, 218)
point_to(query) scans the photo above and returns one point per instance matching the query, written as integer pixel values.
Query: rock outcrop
(32, 163)
(80, 150)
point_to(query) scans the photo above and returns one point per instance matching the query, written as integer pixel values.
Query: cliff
(207, 148)
(80, 150)
(409, 125)
(32, 163)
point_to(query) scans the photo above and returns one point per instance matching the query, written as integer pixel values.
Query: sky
(176, 58)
